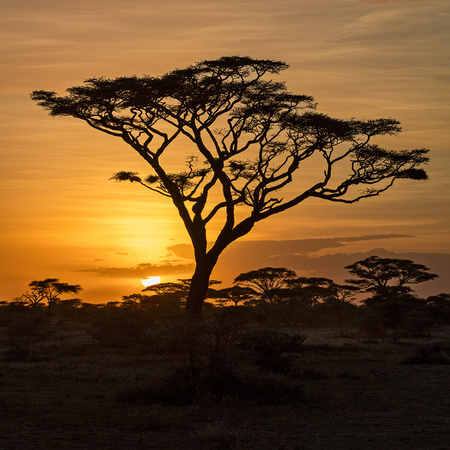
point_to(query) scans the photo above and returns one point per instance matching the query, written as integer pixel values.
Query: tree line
(378, 299)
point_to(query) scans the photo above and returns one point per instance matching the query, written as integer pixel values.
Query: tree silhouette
(170, 296)
(339, 302)
(384, 277)
(310, 289)
(439, 306)
(234, 294)
(266, 282)
(136, 301)
(167, 297)
(49, 290)
(249, 138)
(388, 280)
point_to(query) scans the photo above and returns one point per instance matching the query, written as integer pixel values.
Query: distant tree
(306, 298)
(68, 309)
(289, 309)
(234, 294)
(296, 299)
(136, 301)
(389, 280)
(49, 290)
(249, 138)
(310, 290)
(169, 297)
(266, 282)
(112, 305)
(34, 298)
(386, 276)
(339, 302)
(179, 288)
(439, 306)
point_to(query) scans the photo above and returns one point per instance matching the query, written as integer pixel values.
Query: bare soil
(356, 394)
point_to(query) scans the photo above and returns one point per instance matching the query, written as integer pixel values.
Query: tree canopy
(49, 290)
(250, 138)
(381, 275)
(266, 281)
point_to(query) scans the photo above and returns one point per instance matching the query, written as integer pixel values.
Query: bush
(24, 330)
(181, 388)
(219, 364)
(418, 323)
(275, 350)
(432, 354)
(120, 328)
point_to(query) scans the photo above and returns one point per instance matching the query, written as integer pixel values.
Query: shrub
(418, 323)
(120, 328)
(275, 350)
(432, 354)
(217, 365)
(181, 388)
(23, 331)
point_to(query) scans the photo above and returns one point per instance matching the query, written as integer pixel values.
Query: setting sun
(150, 281)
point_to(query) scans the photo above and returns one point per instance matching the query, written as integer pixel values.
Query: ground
(356, 393)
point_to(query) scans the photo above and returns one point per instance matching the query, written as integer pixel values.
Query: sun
(150, 281)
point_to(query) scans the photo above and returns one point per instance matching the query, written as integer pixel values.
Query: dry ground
(356, 394)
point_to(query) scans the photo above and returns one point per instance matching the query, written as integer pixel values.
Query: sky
(61, 216)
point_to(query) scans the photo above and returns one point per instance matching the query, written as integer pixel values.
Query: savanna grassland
(222, 385)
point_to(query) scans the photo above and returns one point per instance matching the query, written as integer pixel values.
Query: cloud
(254, 250)
(141, 270)
(240, 256)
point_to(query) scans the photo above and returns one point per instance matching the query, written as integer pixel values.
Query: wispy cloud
(140, 271)
(270, 248)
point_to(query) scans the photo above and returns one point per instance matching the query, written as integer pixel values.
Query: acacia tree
(266, 282)
(439, 306)
(234, 294)
(49, 290)
(387, 277)
(310, 290)
(250, 138)
(339, 301)
(389, 280)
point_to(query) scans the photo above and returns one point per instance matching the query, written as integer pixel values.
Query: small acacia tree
(49, 290)
(234, 294)
(249, 138)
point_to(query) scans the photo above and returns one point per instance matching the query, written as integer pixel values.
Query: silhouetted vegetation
(268, 297)
(266, 368)
(392, 304)
(433, 354)
(249, 137)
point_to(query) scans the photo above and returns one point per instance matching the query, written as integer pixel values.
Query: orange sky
(62, 217)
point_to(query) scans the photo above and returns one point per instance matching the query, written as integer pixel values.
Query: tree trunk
(205, 263)
(198, 289)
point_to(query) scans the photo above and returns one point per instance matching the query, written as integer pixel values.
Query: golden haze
(61, 216)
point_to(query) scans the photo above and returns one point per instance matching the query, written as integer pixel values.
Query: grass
(75, 393)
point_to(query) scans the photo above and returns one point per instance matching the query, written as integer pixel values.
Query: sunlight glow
(150, 281)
